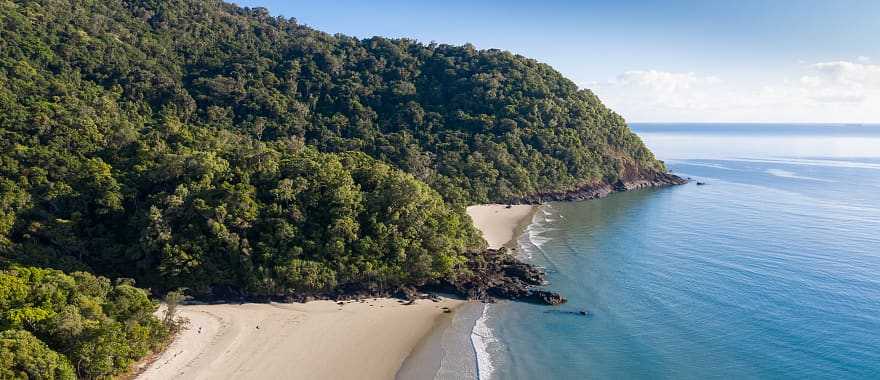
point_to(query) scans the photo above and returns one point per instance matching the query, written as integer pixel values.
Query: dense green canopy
(54, 325)
(202, 145)
(116, 160)
(23, 356)
(477, 125)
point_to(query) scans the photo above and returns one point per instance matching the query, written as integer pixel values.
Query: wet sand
(499, 223)
(315, 340)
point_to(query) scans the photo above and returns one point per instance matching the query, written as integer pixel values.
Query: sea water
(769, 270)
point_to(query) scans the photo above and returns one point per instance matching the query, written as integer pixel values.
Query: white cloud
(664, 81)
(656, 89)
(843, 82)
(833, 91)
(849, 73)
(838, 97)
(811, 81)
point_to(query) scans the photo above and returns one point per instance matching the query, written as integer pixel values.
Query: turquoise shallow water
(771, 270)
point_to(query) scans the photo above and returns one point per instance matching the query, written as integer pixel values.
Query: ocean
(769, 270)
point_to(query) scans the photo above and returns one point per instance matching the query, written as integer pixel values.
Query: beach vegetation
(206, 146)
(58, 326)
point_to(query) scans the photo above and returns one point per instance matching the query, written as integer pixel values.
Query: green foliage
(172, 301)
(132, 148)
(199, 145)
(203, 145)
(477, 125)
(50, 320)
(283, 218)
(297, 274)
(23, 356)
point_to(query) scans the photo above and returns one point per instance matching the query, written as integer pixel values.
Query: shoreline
(521, 227)
(374, 338)
(500, 223)
(446, 349)
(366, 339)
(598, 190)
(500, 227)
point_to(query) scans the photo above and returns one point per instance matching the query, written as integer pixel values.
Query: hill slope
(477, 125)
(174, 142)
(201, 145)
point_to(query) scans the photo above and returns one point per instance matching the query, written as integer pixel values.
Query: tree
(23, 356)
(206, 146)
(172, 300)
(95, 327)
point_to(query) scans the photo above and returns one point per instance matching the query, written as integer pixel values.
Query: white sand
(315, 340)
(497, 222)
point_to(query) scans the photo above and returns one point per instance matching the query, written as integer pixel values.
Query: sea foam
(481, 337)
(533, 237)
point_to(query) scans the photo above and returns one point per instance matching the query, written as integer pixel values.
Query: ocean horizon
(766, 271)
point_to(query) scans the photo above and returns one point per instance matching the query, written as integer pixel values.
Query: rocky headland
(602, 189)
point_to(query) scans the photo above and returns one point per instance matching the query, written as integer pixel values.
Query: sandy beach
(367, 339)
(316, 340)
(499, 223)
(448, 350)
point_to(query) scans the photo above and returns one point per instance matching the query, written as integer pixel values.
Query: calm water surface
(771, 270)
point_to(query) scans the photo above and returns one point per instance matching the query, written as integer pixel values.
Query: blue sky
(750, 60)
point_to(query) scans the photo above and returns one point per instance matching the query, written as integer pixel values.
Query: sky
(657, 61)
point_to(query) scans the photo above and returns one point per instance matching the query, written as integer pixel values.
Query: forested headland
(205, 146)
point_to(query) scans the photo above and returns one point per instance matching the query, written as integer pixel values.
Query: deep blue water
(771, 270)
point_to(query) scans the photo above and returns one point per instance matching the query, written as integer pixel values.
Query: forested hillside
(196, 143)
(477, 125)
(200, 145)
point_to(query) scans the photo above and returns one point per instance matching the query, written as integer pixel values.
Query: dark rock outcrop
(579, 313)
(496, 274)
(545, 297)
(603, 189)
